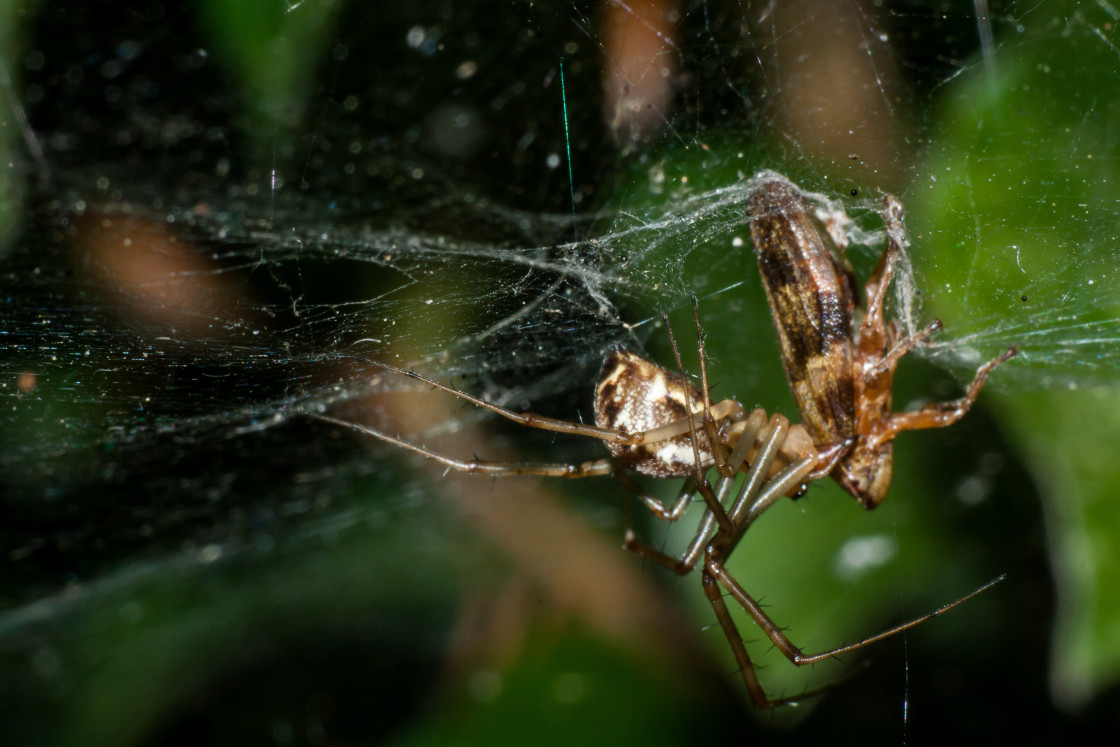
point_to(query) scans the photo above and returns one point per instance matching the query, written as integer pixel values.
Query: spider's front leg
(596, 468)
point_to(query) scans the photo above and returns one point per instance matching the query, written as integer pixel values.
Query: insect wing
(811, 301)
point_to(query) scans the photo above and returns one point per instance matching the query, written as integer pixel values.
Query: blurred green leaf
(11, 181)
(1020, 199)
(275, 48)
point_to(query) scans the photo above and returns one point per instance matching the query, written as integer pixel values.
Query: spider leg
(699, 472)
(687, 561)
(751, 485)
(753, 433)
(680, 505)
(758, 492)
(753, 500)
(761, 490)
(738, 648)
(726, 468)
(725, 409)
(746, 667)
(715, 571)
(524, 418)
(631, 542)
(899, 628)
(794, 654)
(475, 466)
(652, 554)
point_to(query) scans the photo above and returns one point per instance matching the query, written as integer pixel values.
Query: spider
(657, 423)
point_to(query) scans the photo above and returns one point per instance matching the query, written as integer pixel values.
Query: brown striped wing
(811, 303)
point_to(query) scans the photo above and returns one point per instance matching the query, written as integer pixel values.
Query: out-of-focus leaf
(1020, 196)
(275, 49)
(10, 126)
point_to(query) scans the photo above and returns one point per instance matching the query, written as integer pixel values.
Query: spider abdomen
(633, 396)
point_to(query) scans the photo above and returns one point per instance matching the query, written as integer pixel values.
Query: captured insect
(841, 381)
(657, 423)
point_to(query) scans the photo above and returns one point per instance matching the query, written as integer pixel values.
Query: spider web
(212, 218)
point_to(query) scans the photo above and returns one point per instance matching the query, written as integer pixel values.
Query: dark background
(211, 207)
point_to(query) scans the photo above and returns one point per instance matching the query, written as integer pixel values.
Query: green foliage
(1020, 207)
(274, 50)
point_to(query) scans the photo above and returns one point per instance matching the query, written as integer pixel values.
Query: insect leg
(941, 414)
(890, 360)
